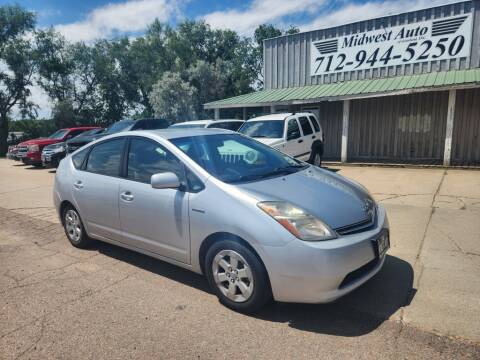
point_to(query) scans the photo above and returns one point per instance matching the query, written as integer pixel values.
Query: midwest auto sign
(437, 39)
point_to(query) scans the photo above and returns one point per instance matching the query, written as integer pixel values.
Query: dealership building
(402, 88)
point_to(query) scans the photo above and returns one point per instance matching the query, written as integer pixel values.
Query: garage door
(330, 115)
(466, 128)
(400, 129)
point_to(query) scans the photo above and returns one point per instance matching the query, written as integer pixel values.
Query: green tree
(210, 82)
(171, 98)
(63, 115)
(33, 128)
(16, 65)
(69, 74)
(141, 63)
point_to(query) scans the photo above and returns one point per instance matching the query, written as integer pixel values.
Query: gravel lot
(106, 302)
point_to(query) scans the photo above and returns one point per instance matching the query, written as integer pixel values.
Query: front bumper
(30, 158)
(52, 159)
(316, 272)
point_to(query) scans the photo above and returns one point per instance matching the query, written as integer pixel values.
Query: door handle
(313, 136)
(78, 185)
(300, 141)
(127, 196)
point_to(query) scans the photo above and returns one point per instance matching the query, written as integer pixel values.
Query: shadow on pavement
(30, 167)
(356, 314)
(330, 169)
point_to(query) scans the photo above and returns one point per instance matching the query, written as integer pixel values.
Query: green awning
(354, 89)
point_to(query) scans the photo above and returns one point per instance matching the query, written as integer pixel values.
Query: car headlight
(298, 222)
(59, 148)
(33, 148)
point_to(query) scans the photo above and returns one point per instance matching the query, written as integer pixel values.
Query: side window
(79, 157)
(194, 183)
(293, 131)
(147, 158)
(305, 124)
(314, 123)
(105, 158)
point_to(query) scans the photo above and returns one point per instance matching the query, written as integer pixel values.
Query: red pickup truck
(30, 151)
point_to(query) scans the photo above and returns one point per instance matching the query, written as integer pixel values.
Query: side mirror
(166, 180)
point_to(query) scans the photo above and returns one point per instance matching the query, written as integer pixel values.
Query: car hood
(269, 141)
(40, 141)
(332, 198)
(55, 145)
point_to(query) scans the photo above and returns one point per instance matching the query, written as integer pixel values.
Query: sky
(88, 20)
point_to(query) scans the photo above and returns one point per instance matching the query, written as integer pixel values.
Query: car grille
(359, 273)
(364, 225)
(47, 152)
(22, 151)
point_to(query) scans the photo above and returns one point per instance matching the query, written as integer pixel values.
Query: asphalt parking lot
(106, 302)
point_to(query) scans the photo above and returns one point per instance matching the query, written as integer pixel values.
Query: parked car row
(49, 151)
(297, 134)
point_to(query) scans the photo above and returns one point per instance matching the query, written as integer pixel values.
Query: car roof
(207, 122)
(172, 133)
(278, 116)
(82, 128)
(195, 122)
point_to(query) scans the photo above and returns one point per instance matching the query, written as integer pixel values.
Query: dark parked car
(52, 154)
(122, 125)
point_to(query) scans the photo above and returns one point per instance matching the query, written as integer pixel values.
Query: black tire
(261, 292)
(78, 237)
(316, 157)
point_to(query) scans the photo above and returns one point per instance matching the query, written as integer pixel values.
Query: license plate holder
(381, 243)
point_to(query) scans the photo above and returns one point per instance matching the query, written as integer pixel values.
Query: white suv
(296, 134)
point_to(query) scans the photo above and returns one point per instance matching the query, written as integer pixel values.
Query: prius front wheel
(237, 276)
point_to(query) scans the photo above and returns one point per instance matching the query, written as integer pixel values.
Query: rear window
(305, 124)
(315, 123)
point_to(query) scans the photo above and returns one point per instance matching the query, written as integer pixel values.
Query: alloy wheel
(73, 225)
(233, 275)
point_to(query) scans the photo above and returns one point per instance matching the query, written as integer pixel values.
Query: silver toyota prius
(258, 223)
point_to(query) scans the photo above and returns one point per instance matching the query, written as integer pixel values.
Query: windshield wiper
(285, 170)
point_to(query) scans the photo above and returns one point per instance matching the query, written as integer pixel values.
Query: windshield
(188, 126)
(263, 129)
(57, 135)
(119, 126)
(234, 158)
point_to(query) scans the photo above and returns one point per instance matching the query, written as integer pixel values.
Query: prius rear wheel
(74, 229)
(237, 276)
